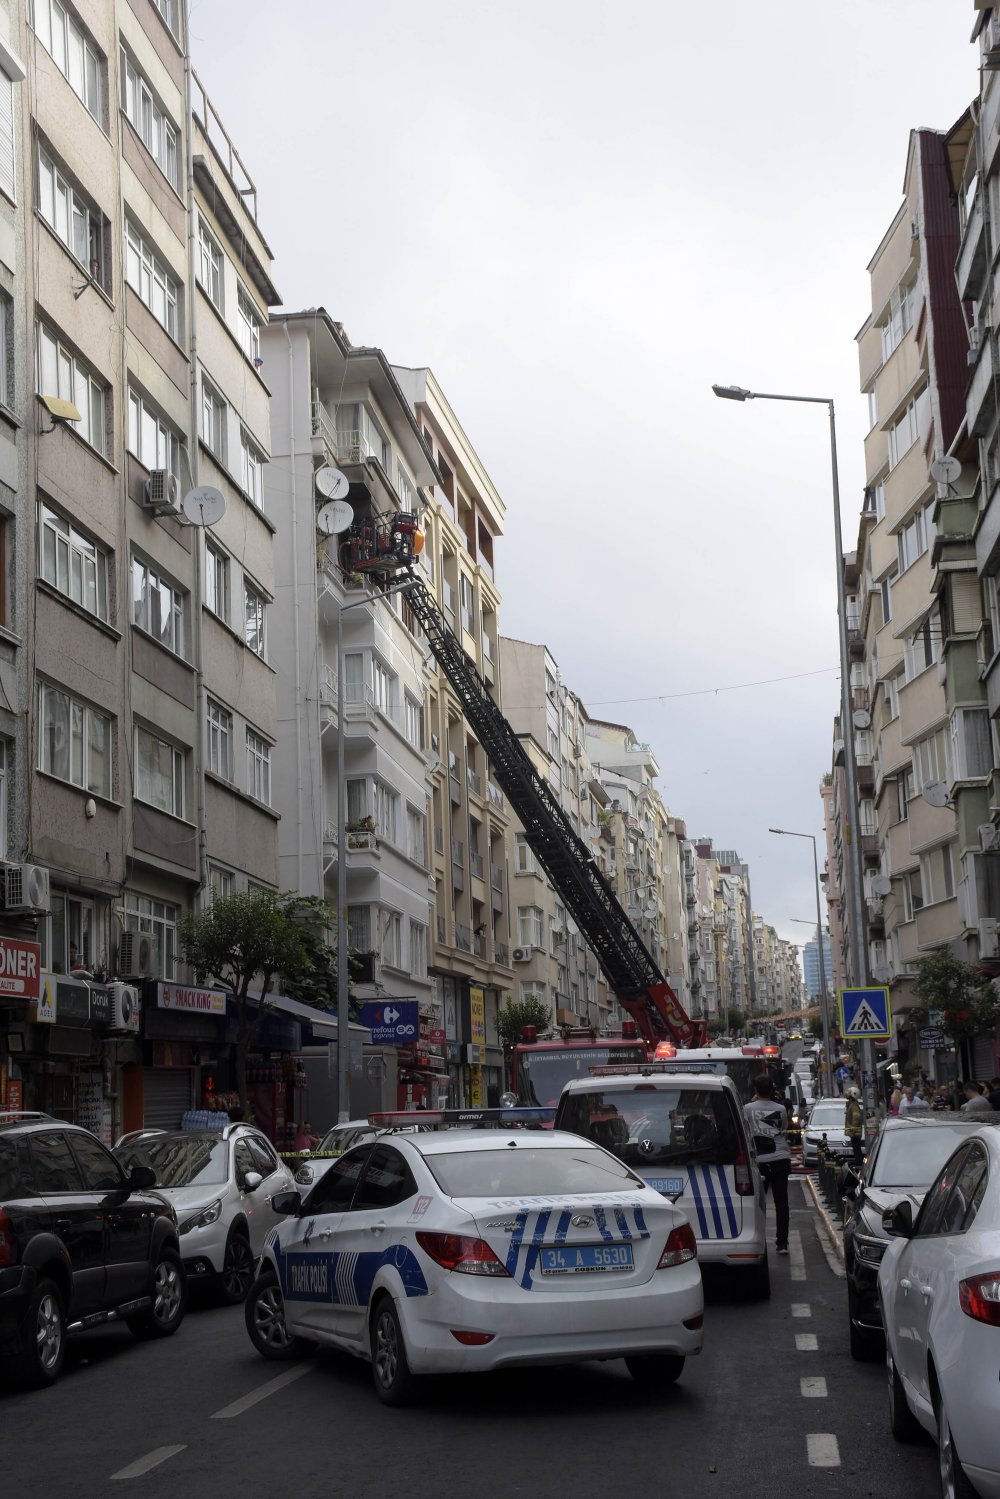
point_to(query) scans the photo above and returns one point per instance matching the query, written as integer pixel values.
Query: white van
(686, 1134)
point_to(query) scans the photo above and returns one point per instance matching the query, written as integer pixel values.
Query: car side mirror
(898, 1220)
(764, 1144)
(141, 1177)
(287, 1203)
(252, 1181)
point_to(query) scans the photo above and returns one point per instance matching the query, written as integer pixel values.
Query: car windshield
(652, 1126)
(542, 1075)
(343, 1136)
(525, 1172)
(828, 1113)
(180, 1160)
(913, 1156)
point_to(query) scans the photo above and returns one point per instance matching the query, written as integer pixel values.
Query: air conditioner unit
(137, 955)
(124, 1006)
(522, 954)
(26, 888)
(162, 493)
(989, 943)
(989, 837)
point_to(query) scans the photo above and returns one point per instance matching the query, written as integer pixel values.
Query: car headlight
(868, 1249)
(208, 1215)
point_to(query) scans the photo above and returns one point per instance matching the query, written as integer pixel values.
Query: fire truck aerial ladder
(384, 548)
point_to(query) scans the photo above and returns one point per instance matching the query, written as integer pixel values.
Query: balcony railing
(328, 685)
(496, 796)
(362, 840)
(501, 954)
(454, 765)
(442, 929)
(439, 840)
(476, 864)
(463, 937)
(496, 878)
(458, 853)
(475, 781)
(479, 944)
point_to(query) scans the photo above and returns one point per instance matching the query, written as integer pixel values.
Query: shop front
(184, 1050)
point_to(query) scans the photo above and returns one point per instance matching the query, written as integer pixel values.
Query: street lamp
(855, 883)
(343, 1008)
(824, 1000)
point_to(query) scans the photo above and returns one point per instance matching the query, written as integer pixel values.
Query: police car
(460, 1250)
(685, 1133)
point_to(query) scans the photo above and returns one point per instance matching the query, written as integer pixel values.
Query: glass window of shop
(71, 924)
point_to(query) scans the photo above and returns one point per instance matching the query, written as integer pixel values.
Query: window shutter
(6, 135)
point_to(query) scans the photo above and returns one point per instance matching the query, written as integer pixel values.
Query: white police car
(460, 1250)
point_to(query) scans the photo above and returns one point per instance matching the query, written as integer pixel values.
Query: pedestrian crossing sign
(865, 1014)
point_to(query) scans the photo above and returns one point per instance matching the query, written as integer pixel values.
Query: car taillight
(979, 1297)
(6, 1241)
(679, 1248)
(464, 1255)
(741, 1172)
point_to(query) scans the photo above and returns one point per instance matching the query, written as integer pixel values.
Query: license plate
(585, 1259)
(666, 1184)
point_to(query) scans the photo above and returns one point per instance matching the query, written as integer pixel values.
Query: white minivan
(686, 1134)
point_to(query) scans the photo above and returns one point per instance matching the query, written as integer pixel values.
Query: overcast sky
(580, 215)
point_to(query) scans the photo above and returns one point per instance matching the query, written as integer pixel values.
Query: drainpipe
(297, 671)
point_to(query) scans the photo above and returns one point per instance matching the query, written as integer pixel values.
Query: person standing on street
(843, 1076)
(767, 1117)
(854, 1125)
(974, 1103)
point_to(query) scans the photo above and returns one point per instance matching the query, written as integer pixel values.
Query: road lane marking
(813, 1387)
(822, 1450)
(151, 1460)
(263, 1392)
(801, 1309)
(806, 1342)
(795, 1255)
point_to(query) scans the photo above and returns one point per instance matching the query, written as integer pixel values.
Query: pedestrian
(974, 1103)
(303, 1136)
(994, 1095)
(911, 1101)
(854, 1125)
(767, 1117)
(895, 1099)
(942, 1099)
(843, 1076)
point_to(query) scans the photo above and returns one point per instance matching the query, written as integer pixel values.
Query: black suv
(80, 1243)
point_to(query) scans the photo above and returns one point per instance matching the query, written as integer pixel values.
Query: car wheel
(169, 1293)
(954, 1483)
(390, 1368)
(264, 1314)
(902, 1422)
(757, 1280)
(237, 1269)
(865, 1346)
(655, 1370)
(41, 1359)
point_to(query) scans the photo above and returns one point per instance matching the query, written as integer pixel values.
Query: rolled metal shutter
(166, 1096)
(983, 1059)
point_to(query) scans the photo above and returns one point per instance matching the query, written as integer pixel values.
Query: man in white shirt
(911, 1100)
(767, 1117)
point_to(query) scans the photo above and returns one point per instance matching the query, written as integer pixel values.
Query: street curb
(833, 1233)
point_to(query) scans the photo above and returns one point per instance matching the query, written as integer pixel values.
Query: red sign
(20, 968)
(15, 1095)
(436, 1036)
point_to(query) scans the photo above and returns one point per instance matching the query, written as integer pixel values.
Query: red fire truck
(542, 1068)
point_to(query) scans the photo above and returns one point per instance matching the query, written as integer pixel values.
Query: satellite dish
(936, 794)
(331, 483)
(945, 470)
(861, 718)
(649, 912)
(334, 517)
(882, 884)
(433, 764)
(882, 975)
(204, 506)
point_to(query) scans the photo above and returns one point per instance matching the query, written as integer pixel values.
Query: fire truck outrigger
(384, 548)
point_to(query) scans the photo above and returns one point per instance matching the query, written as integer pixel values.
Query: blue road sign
(392, 1022)
(865, 1014)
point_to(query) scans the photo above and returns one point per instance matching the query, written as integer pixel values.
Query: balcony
(475, 781)
(954, 545)
(496, 888)
(458, 853)
(479, 944)
(501, 954)
(869, 846)
(463, 937)
(361, 835)
(455, 777)
(476, 864)
(970, 272)
(495, 795)
(866, 773)
(980, 396)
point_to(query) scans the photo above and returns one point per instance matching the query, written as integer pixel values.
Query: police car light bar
(407, 1118)
(645, 1068)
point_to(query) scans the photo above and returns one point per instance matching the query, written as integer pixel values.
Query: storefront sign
(20, 968)
(45, 1004)
(203, 1001)
(13, 1098)
(476, 1088)
(931, 1038)
(435, 1035)
(477, 1015)
(71, 999)
(392, 1022)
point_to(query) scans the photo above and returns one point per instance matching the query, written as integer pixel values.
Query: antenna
(204, 506)
(935, 793)
(881, 884)
(331, 483)
(946, 470)
(333, 517)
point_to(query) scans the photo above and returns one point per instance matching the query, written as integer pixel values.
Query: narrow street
(774, 1405)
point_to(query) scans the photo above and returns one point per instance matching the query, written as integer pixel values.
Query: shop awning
(323, 1022)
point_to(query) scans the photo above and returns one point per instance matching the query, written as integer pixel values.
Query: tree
(736, 1020)
(963, 993)
(257, 935)
(516, 1014)
(816, 1027)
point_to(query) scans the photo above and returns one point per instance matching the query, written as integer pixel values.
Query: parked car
(221, 1185)
(457, 1251)
(906, 1156)
(333, 1144)
(81, 1242)
(826, 1119)
(939, 1285)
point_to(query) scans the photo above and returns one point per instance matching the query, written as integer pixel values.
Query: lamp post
(343, 1008)
(855, 869)
(824, 1000)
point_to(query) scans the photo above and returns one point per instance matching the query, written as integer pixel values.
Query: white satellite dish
(936, 794)
(204, 506)
(649, 912)
(331, 483)
(861, 718)
(334, 517)
(945, 470)
(881, 884)
(882, 975)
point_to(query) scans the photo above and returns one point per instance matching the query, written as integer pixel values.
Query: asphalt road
(773, 1406)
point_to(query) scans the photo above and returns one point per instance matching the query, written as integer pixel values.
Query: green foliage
(517, 1013)
(736, 1021)
(816, 1027)
(964, 993)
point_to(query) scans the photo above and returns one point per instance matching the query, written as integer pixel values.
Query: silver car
(826, 1118)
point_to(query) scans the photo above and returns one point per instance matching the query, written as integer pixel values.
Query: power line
(662, 697)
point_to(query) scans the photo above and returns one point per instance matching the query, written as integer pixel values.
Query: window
(74, 742)
(937, 875)
(552, 741)
(6, 348)
(150, 438)
(389, 939)
(384, 687)
(913, 424)
(159, 773)
(911, 541)
(101, 1172)
(62, 374)
(258, 768)
(923, 647)
(8, 177)
(901, 311)
(404, 488)
(214, 411)
(416, 838)
(913, 898)
(154, 127)
(72, 51)
(467, 599)
(890, 688)
(216, 581)
(413, 721)
(220, 740)
(251, 470)
(253, 614)
(385, 804)
(142, 914)
(386, 1183)
(335, 1188)
(157, 607)
(530, 926)
(359, 928)
(357, 801)
(170, 10)
(971, 747)
(55, 1169)
(209, 264)
(72, 563)
(526, 863)
(932, 759)
(354, 677)
(879, 497)
(885, 593)
(418, 950)
(150, 279)
(904, 791)
(76, 223)
(249, 326)
(872, 408)
(6, 771)
(221, 881)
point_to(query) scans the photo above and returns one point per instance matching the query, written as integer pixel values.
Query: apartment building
(706, 931)
(831, 875)
(137, 640)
